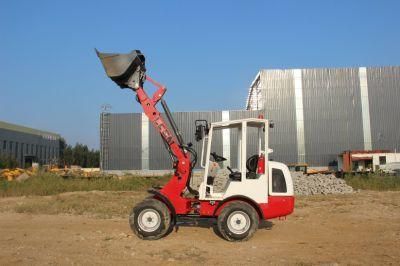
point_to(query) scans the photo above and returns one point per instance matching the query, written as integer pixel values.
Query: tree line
(79, 154)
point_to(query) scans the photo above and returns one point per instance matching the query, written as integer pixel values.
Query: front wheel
(238, 221)
(150, 219)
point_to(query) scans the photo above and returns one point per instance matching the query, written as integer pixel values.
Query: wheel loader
(255, 188)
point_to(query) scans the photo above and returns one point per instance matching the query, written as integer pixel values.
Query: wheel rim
(238, 222)
(149, 220)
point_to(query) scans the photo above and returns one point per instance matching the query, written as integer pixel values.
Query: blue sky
(205, 52)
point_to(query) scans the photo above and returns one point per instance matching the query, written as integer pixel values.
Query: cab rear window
(278, 181)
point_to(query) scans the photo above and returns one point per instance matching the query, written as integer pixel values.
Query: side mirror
(202, 129)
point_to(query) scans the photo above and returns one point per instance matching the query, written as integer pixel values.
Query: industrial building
(27, 145)
(318, 114)
(326, 111)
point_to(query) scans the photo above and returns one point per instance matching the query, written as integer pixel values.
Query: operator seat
(251, 166)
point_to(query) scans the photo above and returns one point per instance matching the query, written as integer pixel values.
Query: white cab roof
(256, 122)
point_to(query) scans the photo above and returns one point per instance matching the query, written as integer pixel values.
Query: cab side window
(278, 181)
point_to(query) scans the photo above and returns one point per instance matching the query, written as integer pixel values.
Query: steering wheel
(234, 175)
(217, 157)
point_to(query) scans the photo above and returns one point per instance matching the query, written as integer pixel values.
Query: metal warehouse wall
(129, 142)
(384, 106)
(332, 113)
(322, 112)
(19, 145)
(120, 145)
(278, 95)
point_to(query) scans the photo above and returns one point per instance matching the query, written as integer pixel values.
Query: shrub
(374, 182)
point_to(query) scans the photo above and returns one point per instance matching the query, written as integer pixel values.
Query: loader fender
(157, 195)
(248, 200)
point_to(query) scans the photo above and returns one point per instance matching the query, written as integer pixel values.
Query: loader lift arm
(128, 71)
(183, 162)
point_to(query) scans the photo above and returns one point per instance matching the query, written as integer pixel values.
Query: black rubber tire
(216, 231)
(237, 206)
(165, 221)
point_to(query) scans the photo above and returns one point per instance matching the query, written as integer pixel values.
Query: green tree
(94, 158)
(79, 155)
(68, 156)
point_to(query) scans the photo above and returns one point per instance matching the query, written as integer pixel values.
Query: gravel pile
(303, 184)
(319, 184)
(219, 181)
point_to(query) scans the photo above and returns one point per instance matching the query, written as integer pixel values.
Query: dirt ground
(362, 228)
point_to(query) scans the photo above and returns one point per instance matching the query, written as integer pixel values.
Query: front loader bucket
(127, 70)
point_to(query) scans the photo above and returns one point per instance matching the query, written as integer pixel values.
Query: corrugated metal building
(322, 112)
(129, 141)
(28, 145)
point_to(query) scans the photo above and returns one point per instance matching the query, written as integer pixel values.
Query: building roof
(254, 94)
(28, 130)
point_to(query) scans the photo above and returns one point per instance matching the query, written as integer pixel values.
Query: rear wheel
(238, 221)
(150, 219)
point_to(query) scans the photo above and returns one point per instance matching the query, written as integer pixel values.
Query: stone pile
(303, 184)
(219, 181)
(319, 184)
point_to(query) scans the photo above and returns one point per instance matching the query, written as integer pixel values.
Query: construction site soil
(357, 228)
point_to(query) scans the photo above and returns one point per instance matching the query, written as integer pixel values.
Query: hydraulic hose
(192, 165)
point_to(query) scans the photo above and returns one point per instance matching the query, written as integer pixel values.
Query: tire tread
(223, 216)
(164, 214)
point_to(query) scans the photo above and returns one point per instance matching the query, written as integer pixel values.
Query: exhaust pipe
(127, 70)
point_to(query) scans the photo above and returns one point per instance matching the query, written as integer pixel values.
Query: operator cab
(235, 162)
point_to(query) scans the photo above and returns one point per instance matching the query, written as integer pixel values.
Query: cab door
(280, 191)
(280, 180)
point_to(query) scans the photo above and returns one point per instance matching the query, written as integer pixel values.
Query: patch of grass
(50, 184)
(97, 204)
(374, 182)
